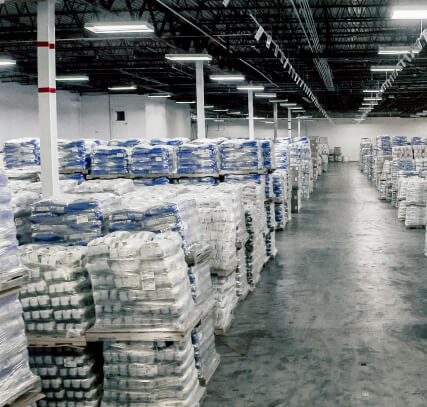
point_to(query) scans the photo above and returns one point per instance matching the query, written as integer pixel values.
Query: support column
(276, 120)
(47, 97)
(200, 92)
(299, 127)
(289, 123)
(251, 114)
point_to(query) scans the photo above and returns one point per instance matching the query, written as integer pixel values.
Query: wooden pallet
(15, 281)
(54, 341)
(107, 176)
(96, 334)
(243, 172)
(222, 273)
(416, 227)
(27, 396)
(212, 369)
(10, 291)
(214, 175)
(152, 176)
(70, 172)
(223, 331)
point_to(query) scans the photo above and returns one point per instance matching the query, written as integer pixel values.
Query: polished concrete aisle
(340, 317)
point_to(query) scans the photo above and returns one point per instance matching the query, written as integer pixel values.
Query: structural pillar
(276, 120)
(299, 127)
(251, 114)
(47, 97)
(289, 123)
(200, 93)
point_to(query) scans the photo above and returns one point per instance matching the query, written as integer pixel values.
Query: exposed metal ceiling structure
(348, 34)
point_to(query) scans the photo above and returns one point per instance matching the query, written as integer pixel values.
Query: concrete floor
(340, 317)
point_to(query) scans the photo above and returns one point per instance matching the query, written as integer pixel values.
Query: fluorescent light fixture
(371, 90)
(188, 57)
(385, 68)
(117, 88)
(409, 13)
(258, 118)
(369, 104)
(278, 100)
(265, 95)
(120, 27)
(220, 110)
(251, 87)
(7, 62)
(296, 108)
(227, 78)
(305, 117)
(235, 113)
(184, 102)
(209, 106)
(159, 95)
(268, 122)
(365, 108)
(397, 50)
(288, 104)
(373, 99)
(218, 120)
(72, 78)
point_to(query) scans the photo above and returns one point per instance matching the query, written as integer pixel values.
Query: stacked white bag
(416, 194)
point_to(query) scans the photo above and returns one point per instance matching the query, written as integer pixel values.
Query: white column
(276, 120)
(299, 127)
(156, 120)
(200, 91)
(289, 123)
(251, 114)
(47, 97)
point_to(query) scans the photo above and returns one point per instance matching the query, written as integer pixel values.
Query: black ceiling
(349, 32)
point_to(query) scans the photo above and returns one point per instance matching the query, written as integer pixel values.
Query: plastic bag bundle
(140, 280)
(365, 150)
(153, 160)
(75, 155)
(400, 168)
(268, 154)
(403, 152)
(200, 158)
(417, 141)
(201, 284)
(169, 142)
(225, 300)
(205, 354)
(270, 244)
(242, 285)
(151, 182)
(70, 376)
(270, 215)
(399, 141)
(109, 160)
(58, 298)
(279, 215)
(28, 173)
(383, 144)
(416, 191)
(21, 152)
(71, 219)
(160, 374)
(269, 189)
(15, 374)
(77, 177)
(300, 150)
(240, 154)
(203, 180)
(281, 152)
(255, 259)
(129, 143)
(118, 186)
(419, 151)
(415, 215)
(279, 185)
(401, 210)
(251, 178)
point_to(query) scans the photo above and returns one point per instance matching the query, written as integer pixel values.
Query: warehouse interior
(213, 203)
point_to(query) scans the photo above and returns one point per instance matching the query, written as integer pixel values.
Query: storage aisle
(339, 318)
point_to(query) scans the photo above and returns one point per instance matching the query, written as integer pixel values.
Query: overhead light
(278, 100)
(209, 106)
(296, 108)
(288, 104)
(159, 95)
(268, 122)
(385, 68)
(369, 104)
(72, 78)
(371, 90)
(265, 95)
(227, 78)
(220, 110)
(218, 120)
(305, 117)
(251, 87)
(7, 62)
(373, 99)
(188, 57)
(409, 13)
(397, 50)
(258, 118)
(184, 102)
(235, 113)
(132, 87)
(120, 27)
(365, 108)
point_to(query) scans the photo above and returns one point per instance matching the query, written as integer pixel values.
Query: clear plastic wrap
(129, 143)
(118, 186)
(268, 154)
(161, 374)
(109, 160)
(15, 374)
(270, 244)
(202, 180)
(401, 210)
(70, 376)
(242, 285)
(151, 182)
(240, 154)
(58, 298)
(402, 152)
(153, 160)
(201, 284)
(225, 300)
(140, 280)
(415, 215)
(21, 152)
(169, 142)
(281, 152)
(416, 191)
(198, 158)
(399, 141)
(75, 155)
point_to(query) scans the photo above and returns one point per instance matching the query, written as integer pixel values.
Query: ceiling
(348, 34)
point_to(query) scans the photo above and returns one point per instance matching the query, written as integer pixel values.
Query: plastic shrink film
(402, 152)
(203, 339)
(416, 140)
(270, 244)
(58, 298)
(416, 191)
(270, 215)
(383, 144)
(71, 219)
(281, 152)
(161, 374)
(145, 159)
(240, 155)
(75, 155)
(30, 173)
(195, 181)
(169, 142)
(300, 154)
(140, 280)
(401, 210)
(129, 143)
(268, 154)
(148, 182)
(281, 193)
(399, 141)
(201, 285)
(415, 215)
(109, 160)
(15, 374)
(242, 285)
(198, 158)
(70, 376)
(118, 186)
(225, 300)
(21, 152)
(269, 189)
(76, 177)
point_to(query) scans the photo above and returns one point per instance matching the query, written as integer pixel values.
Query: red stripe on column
(51, 46)
(47, 90)
(42, 44)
